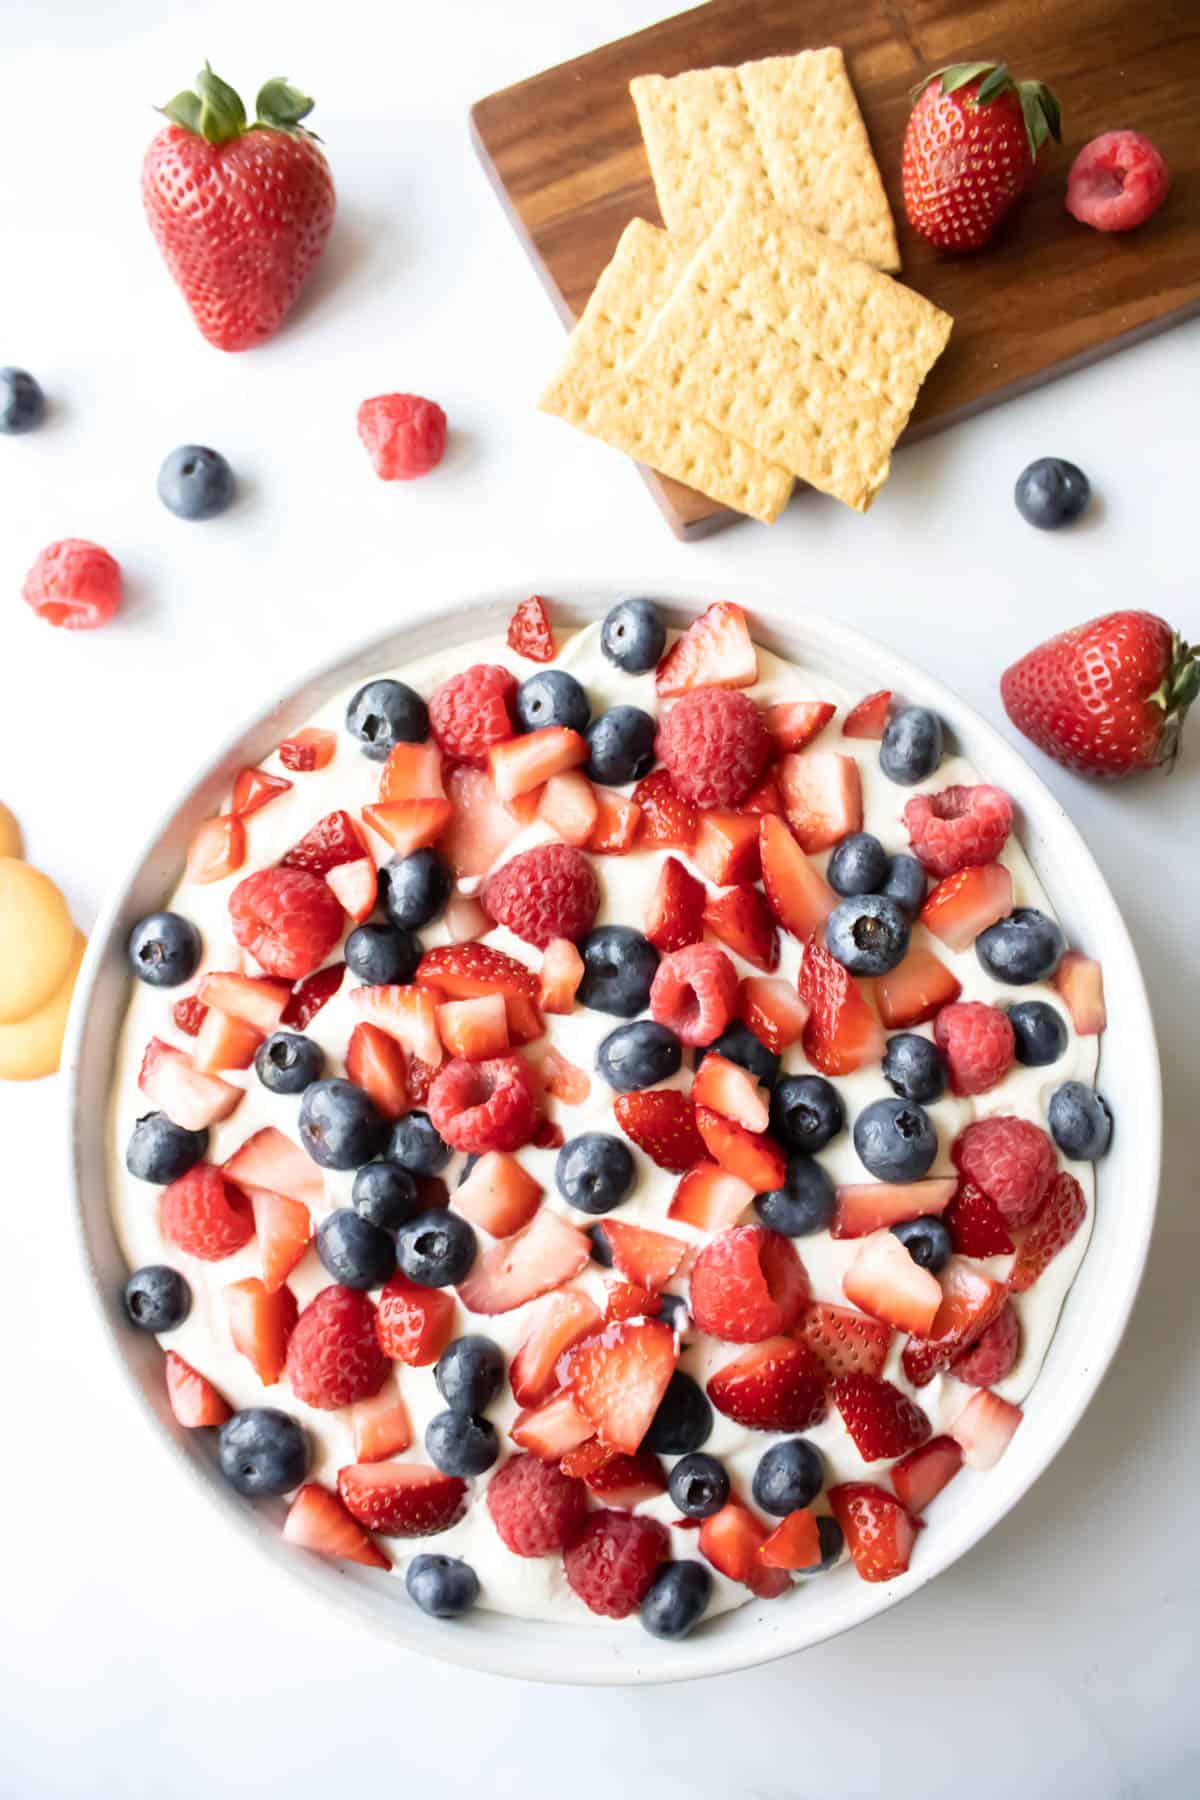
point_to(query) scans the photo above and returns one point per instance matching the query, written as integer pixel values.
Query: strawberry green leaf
(952, 77)
(1041, 112)
(280, 105)
(997, 83)
(184, 110)
(222, 115)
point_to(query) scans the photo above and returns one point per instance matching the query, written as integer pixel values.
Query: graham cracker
(777, 337)
(784, 130)
(596, 391)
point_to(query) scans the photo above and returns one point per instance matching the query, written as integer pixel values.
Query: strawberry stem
(214, 111)
(1180, 686)
(1039, 106)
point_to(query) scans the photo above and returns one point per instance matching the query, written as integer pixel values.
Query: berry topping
(612, 1560)
(1011, 1160)
(716, 650)
(912, 745)
(620, 745)
(262, 1452)
(529, 633)
(794, 723)
(868, 718)
(958, 827)
(311, 994)
(552, 697)
(633, 636)
(303, 752)
(845, 1342)
(22, 402)
(714, 745)
(1117, 182)
(667, 818)
(975, 1225)
(485, 1106)
(404, 435)
(1055, 1224)
(663, 1124)
(732, 1540)
(401, 1499)
(619, 966)
(531, 1262)
(474, 710)
(885, 1281)
(1024, 947)
(822, 797)
(916, 990)
(164, 949)
(776, 1385)
(993, 1353)
(194, 1400)
(743, 921)
(789, 1476)
(919, 1477)
(970, 1300)
(618, 1377)
(1039, 1033)
(340, 1125)
(1080, 1121)
(333, 1355)
(985, 1428)
(748, 1284)
(965, 904)
(978, 1044)
(1051, 492)
(157, 1298)
(75, 584)
(842, 1033)
(535, 1508)
(694, 993)
(807, 1112)
(318, 1521)
(676, 914)
(545, 893)
(385, 713)
(683, 1420)
(196, 483)
(414, 1323)
(882, 1421)
(879, 1533)
(260, 1325)
(205, 1215)
(287, 919)
(868, 934)
(676, 1599)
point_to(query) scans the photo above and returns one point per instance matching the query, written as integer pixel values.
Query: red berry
(1117, 181)
(484, 1106)
(545, 893)
(287, 919)
(189, 1014)
(662, 1122)
(1011, 1160)
(612, 1560)
(404, 435)
(882, 1421)
(534, 1506)
(694, 993)
(529, 632)
(666, 817)
(978, 1044)
(74, 584)
(206, 1215)
(992, 1355)
(311, 994)
(472, 711)
(958, 827)
(714, 744)
(747, 1285)
(335, 839)
(975, 1225)
(1058, 1219)
(333, 1356)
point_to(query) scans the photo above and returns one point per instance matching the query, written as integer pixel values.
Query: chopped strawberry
(376, 1062)
(586, 1458)
(414, 1324)
(498, 1195)
(624, 1300)
(462, 971)
(553, 1427)
(964, 904)
(661, 1122)
(619, 1376)
(743, 921)
(566, 1318)
(475, 1029)
(529, 632)
(412, 772)
(1080, 981)
(970, 1301)
(752, 1156)
(218, 849)
(225, 1043)
(766, 797)
(307, 750)
(919, 1477)
(773, 1010)
(798, 895)
(822, 797)
(337, 838)
(535, 1507)
(864, 1207)
(464, 919)
(715, 651)
(625, 1481)
(879, 1533)
(189, 1098)
(1060, 1217)
(194, 1400)
(317, 1520)
(269, 1159)
(612, 1559)
(845, 1342)
(732, 1542)
(648, 1258)
(795, 723)
(408, 825)
(261, 1325)
(869, 718)
(256, 999)
(748, 1285)
(777, 1385)
(380, 1426)
(189, 1014)
(562, 972)
(842, 1033)
(795, 1542)
(984, 1428)
(667, 820)
(311, 994)
(617, 821)
(883, 1422)
(992, 1356)
(1011, 1159)
(978, 1044)
(567, 804)
(547, 1135)
(710, 1198)
(975, 1223)
(542, 1256)
(884, 1281)
(727, 1088)
(356, 887)
(675, 916)
(408, 1014)
(482, 827)
(401, 1499)
(284, 1230)
(528, 761)
(254, 789)
(726, 848)
(564, 1079)
(915, 990)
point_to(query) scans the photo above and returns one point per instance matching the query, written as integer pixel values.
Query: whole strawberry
(240, 212)
(971, 149)
(1107, 698)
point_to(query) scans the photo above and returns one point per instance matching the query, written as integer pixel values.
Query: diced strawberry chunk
(566, 1319)
(188, 1014)
(919, 1477)
(675, 916)
(864, 1207)
(1060, 1216)
(617, 821)
(884, 1281)
(408, 825)
(542, 1256)
(284, 1230)
(194, 1400)
(356, 887)
(1080, 981)
(795, 1542)
(795, 723)
(869, 718)
(482, 827)
(564, 1080)
(753, 1157)
(970, 1302)
(562, 972)
(318, 1521)
(845, 1342)
(731, 1091)
(777, 1385)
(727, 848)
(773, 1010)
(667, 819)
(984, 1428)
(626, 1481)
(586, 1458)
(307, 750)
(662, 1122)
(376, 1062)
(619, 1376)
(408, 1014)
(412, 772)
(462, 971)
(797, 893)
(879, 1533)
(380, 1426)
(498, 1195)
(732, 1542)
(254, 998)
(413, 1324)
(260, 1324)
(966, 903)
(269, 1159)
(568, 806)
(311, 994)
(464, 919)
(625, 1300)
(334, 839)
(766, 797)
(253, 789)
(553, 1428)
(842, 1033)
(715, 651)
(976, 1224)
(822, 797)
(648, 1258)
(217, 849)
(526, 762)
(189, 1097)
(401, 1499)
(883, 1422)
(475, 1029)
(225, 1043)
(915, 990)
(529, 632)
(743, 921)
(710, 1198)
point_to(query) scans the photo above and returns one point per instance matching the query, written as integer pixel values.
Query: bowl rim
(528, 1648)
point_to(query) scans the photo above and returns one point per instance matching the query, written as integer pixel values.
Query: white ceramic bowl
(1092, 1321)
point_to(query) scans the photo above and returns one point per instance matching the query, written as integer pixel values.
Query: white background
(144, 1651)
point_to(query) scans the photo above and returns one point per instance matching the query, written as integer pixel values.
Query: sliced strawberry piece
(565, 1320)
(675, 917)
(842, 1033)
(307, 750)
(253, 789)
(984, 1428)
(189, 1097)
(797, 893)
(844, 1342)
(408, 825)
(564, 1079)
(475, 1029)
(217, 849)
(715, 651)
(526, 762)
(661, 1121)
(1061, 1214)
(864, 1207)
(625, 1300)
(380, 1426)
(919, 1477)
(529, 632)
(970, 1301)
(554, 1428)
(795, 723)
(260, 1324)
(355, 886)
(976, 1224)
(727, 848)
(766, 797)
(753, 1157)
(463, 971)
(732, 1542)
(884, 1281)
(189, 1014)
(726, 1088)
(412, 772)
(869, 718)
(883, 1422)
(311, 994)
(965, 904)
(743, 921)
(1080, 981)
(408, 1014)
(498, 1195)
(562, 972)
(542, 1256)
(413, 1324)
(617, 821)
(777, 1385)
(667, 819)
(773, 1010)
(879, 1533)
(337, 838)
(482, 827)
(915, 990)
(284, 1230)
(625, 1481)
(401, 1499)
(256, 999)
(647, 1258)
(524, 807)
(376, 1062)
(318, 1521)
(619, 1376)
(748, 1285)
(822, 797)
(586, 1458)
(795, 1542)
(465, 919)
(710, 1198)
(269, 1159)
(194, 1400)
(568, 806)
(225, 1043)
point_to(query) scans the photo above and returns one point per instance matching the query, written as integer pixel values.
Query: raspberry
(189, 1014)
(534, 1506)
(287, 919)
(472, 711)
(74, 584)
(695, 993)
(1117, 181)
(958, 828)
(206, 1215)
(612, 1561)
(715, 745)
(1011, 1159)
(333, 1356)
(550, 892)
(748, 1284)
(992, 1356)
(333, 840)
(404, 435)
(978, 1044)
(484, 1106)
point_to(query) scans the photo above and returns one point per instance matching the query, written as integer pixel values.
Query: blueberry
(914, 1067)
(1051, 492)
(195, 482)
(858, 865)
(469, 1373)
(415, 888)
(445, 1587)
(1040, 1032)
(460, 1444)
(739, 1044)
(895, 1140)
(927, 1241)
(639, 1056)
(1080, 1122)
(905, 884)
(552, 697)
(262, 1451)
(22, 403)
(436, 1248)
(340, 1126)
(789, 1476)
(633, 636)
(353, 1251)
(698, 1485)
(832, 1541)
(594, 1172)
(806, 1113)
(804, 1204)
(674, 1312)
(1025, 947)
(619, 965)
(416, 1145)
(382, 955)
(684, 1418)
(164, 949)
(161, 1151)
(287, 1062)
(868, 934)
(621, 745)
(676, 1599)
(157, 1298)
(601, 1248)
(385, 1195)
(386, 713)
(912, 745)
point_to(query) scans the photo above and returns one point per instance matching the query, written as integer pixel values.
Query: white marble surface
(144, 1651)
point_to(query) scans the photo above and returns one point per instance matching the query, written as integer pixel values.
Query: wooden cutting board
(565, 155)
